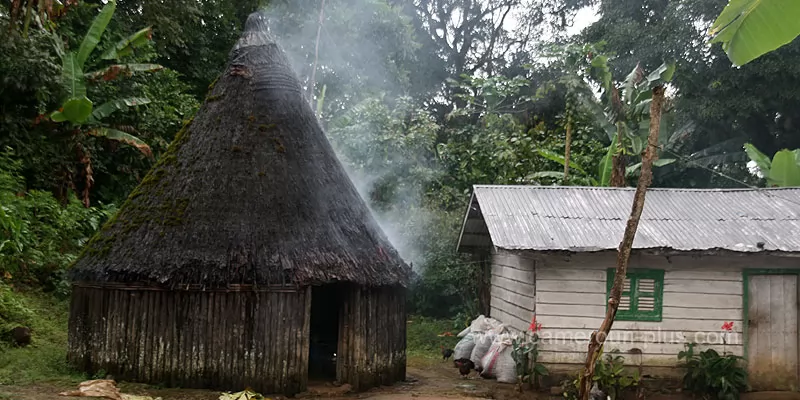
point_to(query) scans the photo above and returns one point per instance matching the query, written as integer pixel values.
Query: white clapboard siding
(514, 274)
(709, 287)
(509, 319)
(700, 294)
(646, 348)
(650, 336)
(573, 286)
(572, 273)
(559, 322)
(704, 275)
(574, 310)
(569, 298)
(525, 289)
(517, 300)
(691, 300)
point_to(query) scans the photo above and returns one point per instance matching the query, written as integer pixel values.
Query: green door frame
(747, 273)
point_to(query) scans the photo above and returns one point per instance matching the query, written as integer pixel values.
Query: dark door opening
(325, 303)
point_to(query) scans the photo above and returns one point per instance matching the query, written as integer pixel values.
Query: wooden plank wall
(193, 339)
(513, 293)
(700, 293)
(372, 337)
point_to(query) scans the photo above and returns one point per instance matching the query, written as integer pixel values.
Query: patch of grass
(45, 359)
(423, 340)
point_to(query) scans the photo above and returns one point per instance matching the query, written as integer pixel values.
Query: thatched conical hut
(244, 254)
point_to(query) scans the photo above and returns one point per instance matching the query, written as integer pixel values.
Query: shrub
(609, 375)
(40, 237)
(711, 375)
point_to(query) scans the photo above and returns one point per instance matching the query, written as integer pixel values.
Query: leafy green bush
(39, 237)
(711, 375)
(609, 375)
(13, 312)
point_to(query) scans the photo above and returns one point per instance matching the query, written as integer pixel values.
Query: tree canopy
(421, 100)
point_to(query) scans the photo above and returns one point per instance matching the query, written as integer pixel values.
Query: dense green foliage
(712, 375)
(421, 100)
(610, 376)
(40, 237)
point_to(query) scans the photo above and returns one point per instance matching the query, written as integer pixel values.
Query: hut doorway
(324, 335)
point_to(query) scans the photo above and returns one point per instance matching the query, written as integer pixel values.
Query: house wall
(513, 290)
(372, 337)
(196, 338)
(568, 294)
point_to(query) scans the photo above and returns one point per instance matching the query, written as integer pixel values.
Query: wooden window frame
(657, 275)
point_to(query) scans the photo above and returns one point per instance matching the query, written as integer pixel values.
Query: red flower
(727, 326)
(534, 327)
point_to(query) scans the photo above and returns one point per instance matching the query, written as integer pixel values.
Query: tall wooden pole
(624, 252)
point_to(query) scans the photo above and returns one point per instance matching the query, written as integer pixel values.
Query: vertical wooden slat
(236, 343)
(281, 329)
(168, 320)
(306, 340)
(158, 336)
(199, 338)
(291, 332)
(210, 324)
(183, 338)
(260, 338)
(271, 334)
(250, 320)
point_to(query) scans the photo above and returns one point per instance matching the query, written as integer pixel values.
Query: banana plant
(78, 109)
(783, 170)
(624, 117)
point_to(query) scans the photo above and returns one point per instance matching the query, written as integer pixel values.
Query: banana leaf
(108, 108)
(748, 29)
(661, 75)
(607, 164)
(126, 46)
(785, 170)
(122, 137)
(553, 156)
(72, 74)
(95, 33)
(114, 71)
(75, 110)
(632, 169)
(630, 83)
(762, 161)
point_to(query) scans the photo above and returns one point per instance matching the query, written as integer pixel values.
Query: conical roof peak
(249, 192)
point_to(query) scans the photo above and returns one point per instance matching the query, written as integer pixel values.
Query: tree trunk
(15, 6)
(28, 12)
(618, 163)
(624, 252)
(567, 147)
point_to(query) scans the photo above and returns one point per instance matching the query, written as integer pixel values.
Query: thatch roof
(250, 192)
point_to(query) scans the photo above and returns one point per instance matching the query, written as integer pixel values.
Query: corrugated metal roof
(582, 219)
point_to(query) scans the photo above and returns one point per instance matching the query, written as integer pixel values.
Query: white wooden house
(701, 258)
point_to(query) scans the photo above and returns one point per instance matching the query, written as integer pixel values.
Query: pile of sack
(488, 344)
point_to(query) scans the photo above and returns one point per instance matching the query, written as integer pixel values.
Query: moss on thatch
(249, 192)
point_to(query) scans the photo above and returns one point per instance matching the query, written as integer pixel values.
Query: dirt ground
(427, 380)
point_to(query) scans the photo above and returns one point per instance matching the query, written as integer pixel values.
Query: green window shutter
(642, 297)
